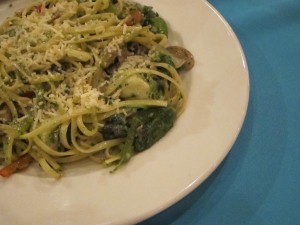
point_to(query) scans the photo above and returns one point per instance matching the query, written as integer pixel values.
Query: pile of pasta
(70, 71)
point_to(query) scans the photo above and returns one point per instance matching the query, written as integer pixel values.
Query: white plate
(218, 91)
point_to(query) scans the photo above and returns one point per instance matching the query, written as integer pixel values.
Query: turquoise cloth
(259, 181)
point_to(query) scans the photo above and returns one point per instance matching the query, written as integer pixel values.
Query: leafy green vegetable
(111, 8)
(149, 14)
(115, 127)
(146, 128)
(158, 24)
(156, 87)
(163, 57)
(159, 56)
(158, 122)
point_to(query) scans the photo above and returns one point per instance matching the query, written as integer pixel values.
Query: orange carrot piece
(134, 18)
(21, 163)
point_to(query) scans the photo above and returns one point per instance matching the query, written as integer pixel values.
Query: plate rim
(197, 182)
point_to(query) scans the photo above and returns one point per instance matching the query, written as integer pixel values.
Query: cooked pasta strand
(76, 78)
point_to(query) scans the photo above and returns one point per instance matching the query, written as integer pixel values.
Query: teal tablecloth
(259, 182)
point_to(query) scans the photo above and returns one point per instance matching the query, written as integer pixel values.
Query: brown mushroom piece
(183, 55)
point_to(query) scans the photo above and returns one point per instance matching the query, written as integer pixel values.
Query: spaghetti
(75, 75)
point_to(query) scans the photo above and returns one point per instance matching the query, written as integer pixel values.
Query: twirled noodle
(66, 66)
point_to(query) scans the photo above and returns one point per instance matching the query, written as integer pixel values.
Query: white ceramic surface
(218, 92)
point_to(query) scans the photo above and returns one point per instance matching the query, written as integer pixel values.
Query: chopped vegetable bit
(39, 8)
(134, 18)
(20, 164)
(146, 128)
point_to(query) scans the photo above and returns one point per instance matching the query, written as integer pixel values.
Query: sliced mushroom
(183, 55)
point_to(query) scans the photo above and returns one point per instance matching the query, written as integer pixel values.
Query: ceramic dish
(218, 91)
